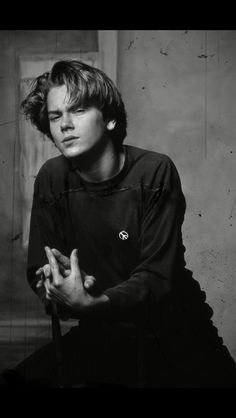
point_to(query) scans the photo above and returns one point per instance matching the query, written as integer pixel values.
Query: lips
(69, 138)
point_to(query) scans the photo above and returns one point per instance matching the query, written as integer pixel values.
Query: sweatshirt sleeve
(44, 228)
(160, 241)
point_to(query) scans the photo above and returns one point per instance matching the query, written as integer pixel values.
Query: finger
(61, 259)
(48, 297)
(89, 282)
(74, 263)
(48, 289)
(47, 271)
(39, 284)
(47, 285)
(53, 265)
(39, 271)
(64, 272)
(40, 277)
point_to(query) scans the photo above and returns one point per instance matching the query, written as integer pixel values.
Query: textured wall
(180, 91)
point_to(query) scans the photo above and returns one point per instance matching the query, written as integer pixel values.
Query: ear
(111, 125)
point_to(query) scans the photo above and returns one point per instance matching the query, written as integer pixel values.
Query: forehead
(57, 97)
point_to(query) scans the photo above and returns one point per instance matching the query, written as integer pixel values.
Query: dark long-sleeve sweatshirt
(128, 234)
(127, 229)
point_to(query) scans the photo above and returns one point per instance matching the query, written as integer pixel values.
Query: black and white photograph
(118, 209)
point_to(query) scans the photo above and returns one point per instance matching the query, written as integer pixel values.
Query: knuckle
(56, 283)
(47, 270)
(39, 284)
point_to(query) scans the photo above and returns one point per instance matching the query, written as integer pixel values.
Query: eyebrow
(58, 111)
(52, 112)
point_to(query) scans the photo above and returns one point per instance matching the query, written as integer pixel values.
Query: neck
(101, 165)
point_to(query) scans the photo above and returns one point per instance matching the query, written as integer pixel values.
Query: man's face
(75, 131)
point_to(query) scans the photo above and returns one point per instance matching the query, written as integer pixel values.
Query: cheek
(54, 129)
(95, 128)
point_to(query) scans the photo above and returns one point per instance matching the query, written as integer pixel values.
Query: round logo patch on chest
(123, 235)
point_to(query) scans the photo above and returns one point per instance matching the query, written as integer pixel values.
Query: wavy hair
(86, 86)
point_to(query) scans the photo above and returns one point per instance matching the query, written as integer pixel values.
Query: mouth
(69, 138)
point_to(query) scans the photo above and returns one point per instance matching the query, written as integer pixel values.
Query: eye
(53, 118)
(78, 110)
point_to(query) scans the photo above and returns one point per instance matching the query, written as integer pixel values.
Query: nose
(67, 122)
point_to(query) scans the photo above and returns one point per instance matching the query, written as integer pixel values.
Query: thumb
(74, 263)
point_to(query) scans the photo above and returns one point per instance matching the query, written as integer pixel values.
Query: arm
(161, 248)
(45, 230)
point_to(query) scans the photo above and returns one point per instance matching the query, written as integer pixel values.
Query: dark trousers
(91, 357)
(97, 354)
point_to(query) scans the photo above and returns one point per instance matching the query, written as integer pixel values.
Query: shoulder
(150, 166)
(148, 157)
(52, 165)
(53, 168)
(157, 175)
(51, 175)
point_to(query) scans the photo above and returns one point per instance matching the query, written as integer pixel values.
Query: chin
(72, 153)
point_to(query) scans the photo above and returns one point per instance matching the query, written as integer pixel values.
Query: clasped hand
(64, 281)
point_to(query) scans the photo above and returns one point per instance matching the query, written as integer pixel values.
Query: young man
(106, 246)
